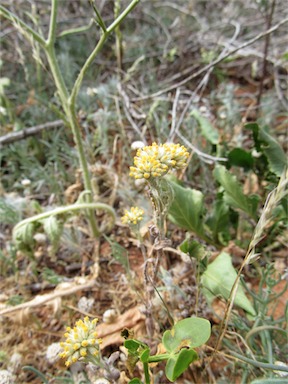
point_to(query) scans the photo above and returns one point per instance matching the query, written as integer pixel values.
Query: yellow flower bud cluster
(156, 160)
(133, 216)
(81, 342)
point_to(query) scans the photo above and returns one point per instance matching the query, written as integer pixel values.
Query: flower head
(81, 342)
(156, 160)
(133, 216)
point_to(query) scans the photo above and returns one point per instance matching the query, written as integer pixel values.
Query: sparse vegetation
(144, 183)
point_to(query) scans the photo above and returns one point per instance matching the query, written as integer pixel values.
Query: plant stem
(157, 358)
(146, 373)
(65, 210)
(57, 76)
(52, 26)
(259, 364)
(97, 49)
(69, 101)
(269, 18)
(99, 19)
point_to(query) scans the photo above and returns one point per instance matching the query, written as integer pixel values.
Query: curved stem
(78, 82)
(69, 101)
(97, 49)
(259, 364)
(67, 209)
(261, 329)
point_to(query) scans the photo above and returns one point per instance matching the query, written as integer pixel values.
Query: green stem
(259, 364)
(67, 209)
(146, 373)
(103, 38)
(122, 16)
(99, 19)
(52, 27)
(57, 76)
(69, 101)
(72, 31)
(157, 358)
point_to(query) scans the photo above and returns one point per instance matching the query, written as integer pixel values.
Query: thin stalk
(269, 18)
(84, 166)
(97, 49)
(78, 82)
(122, 16)
(66, 210)
(57, 76)
(118, 35)
(272, 201)
(69, 101)
(52, 26)
(157, 358)
(259, 364)
(99, 19)
(146, 373)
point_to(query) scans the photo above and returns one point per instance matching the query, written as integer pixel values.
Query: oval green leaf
(191, 332)
(177, 364)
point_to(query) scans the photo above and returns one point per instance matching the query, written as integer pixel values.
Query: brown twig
(265, 54)
(43, 299)
(213, 63)
(27, 132)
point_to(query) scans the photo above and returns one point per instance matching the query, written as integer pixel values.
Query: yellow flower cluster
(156, 160)
(81, 341)
(133, 216)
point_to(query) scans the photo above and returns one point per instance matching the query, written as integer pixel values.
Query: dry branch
(213, 63)
(27, 132)
(43, 299)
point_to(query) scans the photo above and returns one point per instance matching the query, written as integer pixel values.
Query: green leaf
(133, 354)
(207, 128)
(190, 332)
(144, 356)
(53, 229)
(218, 280)
(219, 221)
(23, 235)
(119, 253)
(233, 192)
(132, 345)
(135, 381)
(240, 158)
(9, 214)
(177, 364)
(274, 153)
(194, 249)
(187, 208)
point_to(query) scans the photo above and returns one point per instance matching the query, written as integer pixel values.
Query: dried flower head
(53, 353)
(133, 216)
(156, 160)
(81, 342)
(6, 377)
